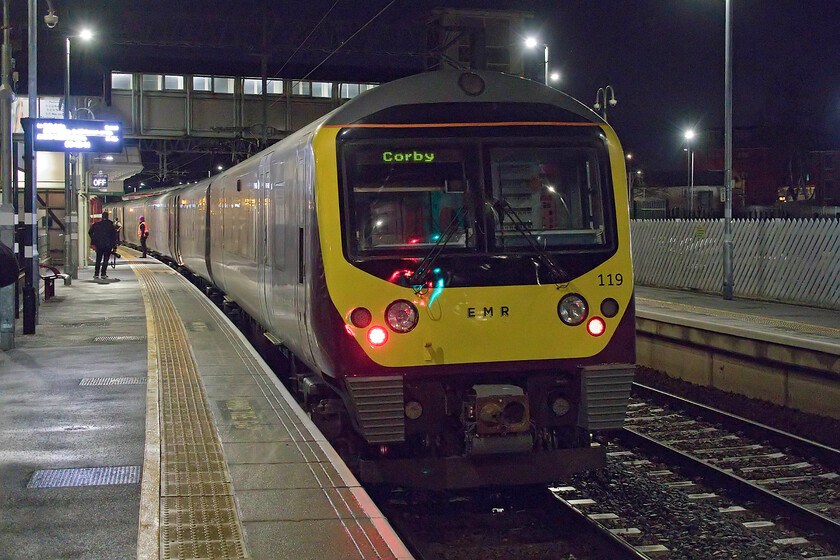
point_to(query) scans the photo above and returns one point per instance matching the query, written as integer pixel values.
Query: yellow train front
(470, 286)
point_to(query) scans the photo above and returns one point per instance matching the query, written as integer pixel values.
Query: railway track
(688, 481)
(793, 476)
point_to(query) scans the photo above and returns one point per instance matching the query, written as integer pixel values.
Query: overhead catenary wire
(362, 28)
(317, 25)
(335, 50)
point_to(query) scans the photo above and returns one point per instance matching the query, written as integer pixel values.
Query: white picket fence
(793, 261)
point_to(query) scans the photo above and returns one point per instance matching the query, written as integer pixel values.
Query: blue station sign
(59, 135)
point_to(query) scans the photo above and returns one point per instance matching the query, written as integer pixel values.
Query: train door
(305, 194)
(174, 214)
(208, 247)
(263, 240)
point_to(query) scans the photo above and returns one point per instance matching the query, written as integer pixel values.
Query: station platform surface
(138, 423)
(777, 323)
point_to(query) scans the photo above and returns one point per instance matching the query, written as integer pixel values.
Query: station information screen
(99, 183)
(76, 135)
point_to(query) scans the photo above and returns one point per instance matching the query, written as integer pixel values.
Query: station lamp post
(71, 229)
(602, 94)
(689, 162)
(533, 42)
(728, 279)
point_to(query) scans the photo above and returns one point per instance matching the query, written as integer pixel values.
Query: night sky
(664, 58)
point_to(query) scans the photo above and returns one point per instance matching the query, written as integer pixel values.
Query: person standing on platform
(102, 235)
(117, 237)
(143, 234)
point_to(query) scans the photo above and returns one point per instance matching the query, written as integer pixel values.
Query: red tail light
(377, 336)
(596, 326)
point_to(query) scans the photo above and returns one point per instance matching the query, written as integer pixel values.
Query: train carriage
(447, 257)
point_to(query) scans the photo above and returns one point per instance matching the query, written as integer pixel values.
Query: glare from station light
(689, 134)
(555, 76)
(220, 167)
(109, 158)
(531, 42)
(86, 35)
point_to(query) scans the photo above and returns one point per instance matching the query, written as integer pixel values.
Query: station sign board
(76, 135)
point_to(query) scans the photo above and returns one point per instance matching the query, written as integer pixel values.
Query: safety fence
(792, 261)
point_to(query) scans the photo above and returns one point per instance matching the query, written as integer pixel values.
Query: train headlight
(596, 326)
(609, 307)
(572, 309)
(360, 317)
(377, 336)
(401, 316)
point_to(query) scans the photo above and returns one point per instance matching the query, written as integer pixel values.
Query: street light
(602, 93)
(689, 135)
(532, 42)
(71, 213)
(555, 76)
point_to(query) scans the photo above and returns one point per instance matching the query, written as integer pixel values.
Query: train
(444, 264)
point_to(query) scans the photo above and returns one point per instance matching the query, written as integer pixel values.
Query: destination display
(59, 135)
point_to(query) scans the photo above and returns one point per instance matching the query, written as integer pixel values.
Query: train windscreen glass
(407, 196)
(553, 194)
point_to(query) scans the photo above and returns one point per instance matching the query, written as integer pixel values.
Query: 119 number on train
(619, 280)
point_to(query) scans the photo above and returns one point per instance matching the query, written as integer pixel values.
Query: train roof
(453, 86)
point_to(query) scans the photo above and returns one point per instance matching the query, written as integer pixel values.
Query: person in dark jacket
(143, 234)
(102, 235)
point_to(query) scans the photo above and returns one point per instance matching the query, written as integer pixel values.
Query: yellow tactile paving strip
(756, 319)
(197, 514)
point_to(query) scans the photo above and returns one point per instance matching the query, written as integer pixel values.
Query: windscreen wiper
(502, 207)
(423, 270)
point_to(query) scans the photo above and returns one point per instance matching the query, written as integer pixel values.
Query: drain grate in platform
(93, 476)
(120, 338)
(96, 381)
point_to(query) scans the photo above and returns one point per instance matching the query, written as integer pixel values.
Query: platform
(138, 423)
(786, 354)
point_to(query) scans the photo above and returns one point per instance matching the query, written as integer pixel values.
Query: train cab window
(407, 197)
(552, 195)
